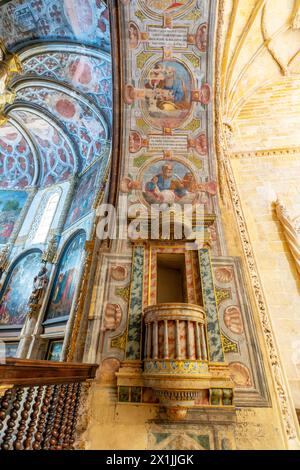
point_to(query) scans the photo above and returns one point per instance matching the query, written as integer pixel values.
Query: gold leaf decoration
(138, 161)
(141, 124)
(193, 125)
(140, 15)
(195, 61)
(142, 59)
(119, 342)
(229, 345)
(123, 292)
(222, 294)
(196, 161)
(193, 15)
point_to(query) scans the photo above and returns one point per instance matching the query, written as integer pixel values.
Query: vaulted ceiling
(59, 122)
(260, 75)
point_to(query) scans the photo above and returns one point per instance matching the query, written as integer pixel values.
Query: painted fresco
(82, 121)
(239, 337)
(14, 299)
(11, 205)
(58, 160)
(16, 159)
(85, 21)
(66, 279)
(167, 94)
(171, 182)
(83, 199)
(165, 6)
(90, 75)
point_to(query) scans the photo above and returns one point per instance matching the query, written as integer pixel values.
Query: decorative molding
(279, 379)
(280, 152)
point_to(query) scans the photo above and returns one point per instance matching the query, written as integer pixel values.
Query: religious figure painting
(168, 94)
(66, 279)
(15, 296)
(11, 349)
(84, 197)
(54, 351)
(169, 182)
(11, 205)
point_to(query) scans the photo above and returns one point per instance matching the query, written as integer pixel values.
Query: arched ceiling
(59, 122)
(260, 74)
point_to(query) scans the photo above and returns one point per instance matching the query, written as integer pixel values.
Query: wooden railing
(39, 403)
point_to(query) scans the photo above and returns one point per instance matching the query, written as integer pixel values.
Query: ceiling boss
(9, 65)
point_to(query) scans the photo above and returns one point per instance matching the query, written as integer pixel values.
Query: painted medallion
(167, 94)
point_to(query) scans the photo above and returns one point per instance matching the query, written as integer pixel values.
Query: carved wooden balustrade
(39, 403)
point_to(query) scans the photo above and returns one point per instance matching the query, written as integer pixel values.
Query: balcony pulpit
(176, 363)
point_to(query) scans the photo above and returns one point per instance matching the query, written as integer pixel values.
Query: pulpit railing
(39, 403)
(175, 331)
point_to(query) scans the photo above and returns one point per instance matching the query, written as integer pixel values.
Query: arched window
(46, 220)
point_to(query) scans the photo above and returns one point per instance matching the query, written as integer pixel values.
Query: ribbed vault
(59, 123)
(260, 74)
